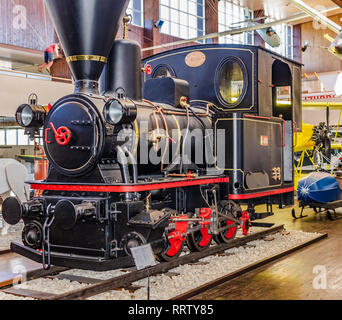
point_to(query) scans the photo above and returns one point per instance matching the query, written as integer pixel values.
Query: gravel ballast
(193, 276)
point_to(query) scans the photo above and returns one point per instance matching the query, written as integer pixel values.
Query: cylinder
(122, 75)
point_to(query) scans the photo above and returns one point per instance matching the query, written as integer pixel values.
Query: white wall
(15, 90)
(316, 116)
(329, 80)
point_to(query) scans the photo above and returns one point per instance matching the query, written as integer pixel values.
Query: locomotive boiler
(166, 159)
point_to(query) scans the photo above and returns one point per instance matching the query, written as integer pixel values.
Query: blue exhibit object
(319, 187)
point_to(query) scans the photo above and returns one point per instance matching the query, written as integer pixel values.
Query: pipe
(124, 169)
(182, 175)
(296, 17)
(179, 113)
(134, 167)
(197, 117)
(133, 164)
(317, 15)
(123, 165)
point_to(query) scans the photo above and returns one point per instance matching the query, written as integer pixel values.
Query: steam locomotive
(166, 159)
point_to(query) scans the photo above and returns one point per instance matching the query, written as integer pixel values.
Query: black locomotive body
(258, 126)
(167, 160)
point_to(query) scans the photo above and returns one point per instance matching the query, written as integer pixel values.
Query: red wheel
(230, 234)
(172, 250)
(174, 240)
(228, 209)
(201, 239)
(246, 223)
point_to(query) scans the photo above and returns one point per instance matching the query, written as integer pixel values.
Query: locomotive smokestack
(86, 29)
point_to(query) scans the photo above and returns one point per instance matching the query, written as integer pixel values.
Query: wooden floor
(292, 277)
(13, 266)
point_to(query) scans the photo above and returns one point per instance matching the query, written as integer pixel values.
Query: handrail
(337, 105)
(28, 75)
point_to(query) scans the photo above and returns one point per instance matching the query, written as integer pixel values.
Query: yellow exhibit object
(304, 141)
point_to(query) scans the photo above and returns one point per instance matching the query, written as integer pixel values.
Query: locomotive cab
(255, 96)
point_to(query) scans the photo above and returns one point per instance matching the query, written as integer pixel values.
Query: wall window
(182, 18)
(2, 137)
(16, 137)
(228, 15)
(136, 9)
(11, 138)
(285, 33)
(22, 138)
(289, 41)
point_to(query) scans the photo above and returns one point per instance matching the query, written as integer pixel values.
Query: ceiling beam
(317, 15)
(338, 2)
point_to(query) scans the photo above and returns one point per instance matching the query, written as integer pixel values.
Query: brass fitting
(126, 20)
(184, 102)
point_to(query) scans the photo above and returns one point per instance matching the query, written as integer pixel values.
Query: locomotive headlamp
(120, 111)
(30, 116)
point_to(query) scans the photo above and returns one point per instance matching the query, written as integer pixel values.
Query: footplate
(74, 261)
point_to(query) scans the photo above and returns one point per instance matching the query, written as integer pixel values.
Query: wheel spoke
(230, 210)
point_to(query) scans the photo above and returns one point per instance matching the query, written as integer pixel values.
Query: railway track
(95, 286)
(4, 251)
